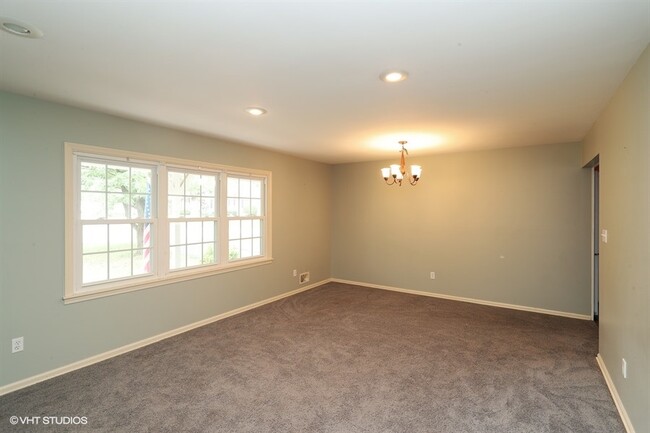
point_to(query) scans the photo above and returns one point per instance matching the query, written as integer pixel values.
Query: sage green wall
(32, 133)
(621, 138)
(529, 205)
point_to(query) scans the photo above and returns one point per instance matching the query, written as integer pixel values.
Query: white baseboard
(617, 399)
(147, 341)
(471, 300)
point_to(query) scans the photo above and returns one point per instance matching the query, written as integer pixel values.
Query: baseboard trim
(470, 300)
(617, 399)
(15, 386)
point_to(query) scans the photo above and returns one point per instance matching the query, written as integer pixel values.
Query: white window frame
(161, 273)
(216, 219)
(225, 246)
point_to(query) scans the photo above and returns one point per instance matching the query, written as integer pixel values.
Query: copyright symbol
(13, 420)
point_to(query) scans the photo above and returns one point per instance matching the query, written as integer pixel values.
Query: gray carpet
(342, 358)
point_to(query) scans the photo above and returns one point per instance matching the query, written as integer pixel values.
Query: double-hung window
(115, 220)
(193, 218)
(136, 220)
(245, 217)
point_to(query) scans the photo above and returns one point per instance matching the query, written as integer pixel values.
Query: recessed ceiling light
(256, 111)
(18, 28)
(394, 76)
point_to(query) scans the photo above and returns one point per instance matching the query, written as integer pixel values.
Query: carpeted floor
(345, 359)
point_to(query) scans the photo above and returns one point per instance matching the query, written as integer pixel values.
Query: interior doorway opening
(595, 239)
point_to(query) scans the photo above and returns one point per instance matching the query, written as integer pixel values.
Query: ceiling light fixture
(256, 111)
(397, 172)
(18, 28)
(394, 76)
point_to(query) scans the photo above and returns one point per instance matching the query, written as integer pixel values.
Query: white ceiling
(483, 74)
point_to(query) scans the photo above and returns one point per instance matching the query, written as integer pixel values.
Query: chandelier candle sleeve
(396, 173)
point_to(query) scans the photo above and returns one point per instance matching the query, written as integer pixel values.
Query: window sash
(241, 245)
(183, 255)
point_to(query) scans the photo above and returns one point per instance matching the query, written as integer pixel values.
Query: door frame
(594, 166)
(595, 241)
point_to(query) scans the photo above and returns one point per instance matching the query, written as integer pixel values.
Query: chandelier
(397, 172)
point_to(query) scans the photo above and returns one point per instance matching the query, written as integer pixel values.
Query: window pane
(194, 255)
(244, 188)
(208, 185)
(208, 254)
(117, 178)
(194, 232)
(176, 233)
(246, 248)
(93, 205)
(256, 188)
(140, 180)
(139, 206)
(208, 231)
(234, 229)
(233, 250)
(233, 207)
(94, 238)
(142, 261)
(257, 247)
(193, 184)
(175, 183)
(244, 207)
(246, 228)
(144, 238)
(93, 177)
(192, 207)
(233, 187)
(257, 228)
(118, 206)
(119, 264)
(95, 268)
(207, 207)
(256, 207)
(175, 207)
(119, 237)
(177, 257)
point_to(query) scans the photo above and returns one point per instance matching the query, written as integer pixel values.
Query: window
(245, 217)
(115, 220)
(137, 220)
(192, 214)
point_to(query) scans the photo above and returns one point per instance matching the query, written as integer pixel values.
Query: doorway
(596, 239)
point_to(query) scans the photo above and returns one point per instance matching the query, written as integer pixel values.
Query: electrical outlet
(17, 344)
(304, 278)
(433, 275)
(295, 272)
(624, 368)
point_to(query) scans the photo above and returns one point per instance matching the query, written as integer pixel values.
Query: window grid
(192, 211)
(115, 220)
(245, 217)
(108, 208)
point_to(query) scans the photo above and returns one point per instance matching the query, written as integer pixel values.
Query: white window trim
(160, 224)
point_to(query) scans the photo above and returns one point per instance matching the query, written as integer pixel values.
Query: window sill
(131, 286)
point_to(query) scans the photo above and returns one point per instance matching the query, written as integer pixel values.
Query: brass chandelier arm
(393, 180)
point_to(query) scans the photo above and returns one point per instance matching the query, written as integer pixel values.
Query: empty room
(323, 216)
